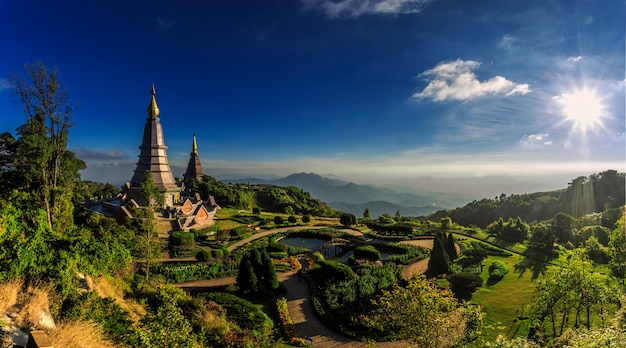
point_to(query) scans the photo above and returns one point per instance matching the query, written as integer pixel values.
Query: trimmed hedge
(181, 239)
(367, 252)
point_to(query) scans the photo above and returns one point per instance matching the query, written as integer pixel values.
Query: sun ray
(583, 108)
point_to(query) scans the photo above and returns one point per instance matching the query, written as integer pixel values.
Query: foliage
(597, 193)
(184, 272)
(165, 325)
(464, 284)
(617, 249)
(241, 311)
(347, 219)
(439, 262)
(404, 254)
(390, 229)
(497, 271)
(278, 220)
(328, 269)
(264, 198)
(181, 239)
(564, 290)
(514, 230)
(89, 306)
(421, 313)
(306, 218)
(367, 252)
(292, 219)
(204, 255)
(47, 170)
(256, 272)
(286, 324)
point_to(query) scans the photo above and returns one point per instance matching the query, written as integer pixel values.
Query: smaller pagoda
(194, 168)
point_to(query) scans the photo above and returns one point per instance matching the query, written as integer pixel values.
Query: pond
(309, 243)
(336, 253)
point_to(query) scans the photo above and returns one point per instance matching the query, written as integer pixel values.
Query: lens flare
(583, 108)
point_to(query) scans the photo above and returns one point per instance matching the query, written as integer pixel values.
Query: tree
(423, 314)
(398, 216)
(439, 262)
(278, 220)
(366, 214)
(306, 218)
(151, 244)
(446, 223)
(48, 169)
(567, 292)
(246, 279)
(347, 219)
(617, 249)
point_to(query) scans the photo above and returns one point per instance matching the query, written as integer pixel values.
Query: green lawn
(504, 301)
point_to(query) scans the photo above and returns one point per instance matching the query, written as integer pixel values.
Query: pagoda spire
(194, 168)
(194, 147)
(153, 108)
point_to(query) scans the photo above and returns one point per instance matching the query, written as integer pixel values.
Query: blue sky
(369, 90)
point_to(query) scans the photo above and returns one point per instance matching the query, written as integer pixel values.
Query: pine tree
(439, 262)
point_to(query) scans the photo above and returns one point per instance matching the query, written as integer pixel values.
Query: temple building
(153, 158)
(194, 168)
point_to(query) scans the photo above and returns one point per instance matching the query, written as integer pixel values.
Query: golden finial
(153, 109)
(194, 150)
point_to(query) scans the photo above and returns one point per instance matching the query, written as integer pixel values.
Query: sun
(583, 108)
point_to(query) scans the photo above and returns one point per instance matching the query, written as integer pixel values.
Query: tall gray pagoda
(194, 168)
(152, 157)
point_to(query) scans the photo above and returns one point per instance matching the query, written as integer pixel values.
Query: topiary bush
(204, 255)
(181, 239)
(497, 270)
(306, 218)
(367, 252)
(218, 253)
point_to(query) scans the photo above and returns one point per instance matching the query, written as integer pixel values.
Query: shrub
(464, 284)
(334, 270)
(306, 218)
(278, 255)
(256, 210)
(218, 253)
(278, 220)
(497, 270)
(367, 252)
(181, 239)
(244, 313)
(203, 255)
(286, 324)
(277, 247)
(238, 231)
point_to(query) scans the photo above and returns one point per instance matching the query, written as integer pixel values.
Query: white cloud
(574, 59)
(507, 41)
(357, 8)
(534, 140)
(457, 81)
(4, 84)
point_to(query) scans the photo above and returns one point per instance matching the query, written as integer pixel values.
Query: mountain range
(354, 198)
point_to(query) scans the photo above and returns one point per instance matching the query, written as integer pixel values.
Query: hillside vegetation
(584, 195)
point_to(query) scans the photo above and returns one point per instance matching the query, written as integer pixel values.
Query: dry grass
(79, 334)
(9, 292)
(32, 304)
(113, 288)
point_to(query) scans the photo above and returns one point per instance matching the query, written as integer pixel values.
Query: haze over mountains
(355, 198)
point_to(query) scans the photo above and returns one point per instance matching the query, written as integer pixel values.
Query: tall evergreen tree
(450, 247)
(439, 262)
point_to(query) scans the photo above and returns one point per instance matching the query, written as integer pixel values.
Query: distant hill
(583, 195)
(353, 198)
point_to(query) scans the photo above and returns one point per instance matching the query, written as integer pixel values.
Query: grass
(9, 292)
(79, 334)
(504, 301)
